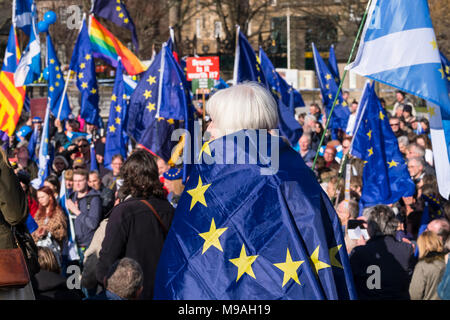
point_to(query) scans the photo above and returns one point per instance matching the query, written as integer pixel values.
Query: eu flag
(273, 235)
(117, 12)
(247, 67)
(56, 83)
(116, 139)
(385, 175)
(445, 71)
(83, 64)
(328, 89)
(159, 105)
(278, 85)
(333, 66)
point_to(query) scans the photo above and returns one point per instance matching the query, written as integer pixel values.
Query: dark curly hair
(140, 176)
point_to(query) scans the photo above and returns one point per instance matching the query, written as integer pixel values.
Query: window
(198, 28)
(217, 29)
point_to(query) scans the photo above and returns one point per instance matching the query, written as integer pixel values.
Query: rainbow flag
(106, 46)
(11, 97)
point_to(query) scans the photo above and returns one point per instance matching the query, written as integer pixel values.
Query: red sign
(202, 68)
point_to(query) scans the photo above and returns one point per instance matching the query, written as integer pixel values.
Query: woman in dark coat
(133, 229)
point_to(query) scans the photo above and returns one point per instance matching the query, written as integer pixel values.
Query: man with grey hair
(305, 149)
(415, 150)
(416, 168)
(124, 281)
(382, 268)
(309, 124)
(403, 143)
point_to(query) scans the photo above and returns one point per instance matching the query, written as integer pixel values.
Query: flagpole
(161, 74)
(236, 57)
(342, 81)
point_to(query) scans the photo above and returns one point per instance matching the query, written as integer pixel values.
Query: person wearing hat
(60, 164)
(79, 163)
(173, 184)
(37, 123)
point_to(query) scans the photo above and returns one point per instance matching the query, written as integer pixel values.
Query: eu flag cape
(245, 230)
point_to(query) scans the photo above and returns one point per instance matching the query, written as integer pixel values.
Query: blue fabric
(56, 83)
(385, 175)
(44, 160)
(24, 15)
(83, 64)
(328, 89)
(31, 224)
(116, 138)
(333, 66)
(272, 218)
(117, 12)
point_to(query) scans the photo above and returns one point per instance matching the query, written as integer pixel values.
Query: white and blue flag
(44, 153)
(399, 48)
(23, 15)
(29, 67)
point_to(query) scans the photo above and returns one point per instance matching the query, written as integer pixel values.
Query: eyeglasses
(394, 124)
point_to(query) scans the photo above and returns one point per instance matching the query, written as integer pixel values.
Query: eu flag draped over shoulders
(116, 139)
(56, 83)
(159, 105)
(385, 175)
(83, 64)
(273, 235)
(247, 67)
(328, 89)
(117, 12)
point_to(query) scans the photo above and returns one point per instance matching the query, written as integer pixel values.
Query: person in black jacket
(382, 269)
(134, 230)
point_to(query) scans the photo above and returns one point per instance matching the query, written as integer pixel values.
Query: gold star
(148, 94)
(205, 148)
(170, 121)
(212, 237)
(118, 8)
(84, 85)
(333, 260)
(82, 65)
(434, 44)
(126, 20)
(289, 268)
(431, 111)
(198, 193)
(257, 67)
(160, 119)
(57, 83)
(151, 80)
(58, 76)
(441, 70)
(369, 134)
(88, 57)
(118, 109)
(114, 98)
(118, 120)
(370, 151)
(392, 163)
(124, 96)
(381, 115)
(317, 264)
(51, 89)
(80, 75)
(121, 15)
(327, 86)
(57, 68)
(344, 104)
(112, 128)
(94, 91)
(244, 264)
(151, 106)
(330, 96)
(328, 76)
(52, 61)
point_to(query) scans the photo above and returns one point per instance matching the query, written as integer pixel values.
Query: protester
(429, 269)
(173, 183)
(111, 178)
(106, 194)
(135, 230)
(305, 150)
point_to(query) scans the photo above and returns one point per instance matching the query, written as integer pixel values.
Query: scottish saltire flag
(385, 175)
(398, 47)
(56, 84)
(23, 15)
(278, 85)
(44, 152)
(159, 105)
(83, 64)
(329, 89)
(247, 67)
(116, 138)
(117, 12)
(270, 236)
(333, 66)
(11, 97)
(29, 67)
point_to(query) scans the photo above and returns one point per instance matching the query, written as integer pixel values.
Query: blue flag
(247, 67)
(56, 83)
(116, 138)
(32, 145)
(405, 27)
(270, 236)
(44, 152)
(94, 164)
(159, 105)
(385, 175)
(333, 66)
(24, 13)
(83, 64)
(328, 89)
(278, 85)
(445, 69)
(117, 12)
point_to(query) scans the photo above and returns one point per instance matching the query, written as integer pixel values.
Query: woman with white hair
(252, 215)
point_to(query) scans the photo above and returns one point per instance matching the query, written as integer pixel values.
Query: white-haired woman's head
(243, 106)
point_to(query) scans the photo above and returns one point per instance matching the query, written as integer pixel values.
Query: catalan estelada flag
(11, 97)
(106, 46)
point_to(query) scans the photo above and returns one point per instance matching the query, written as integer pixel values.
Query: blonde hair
(68, 174)
(429, 242)
(243, 106)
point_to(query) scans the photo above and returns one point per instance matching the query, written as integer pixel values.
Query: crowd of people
(119, 216)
